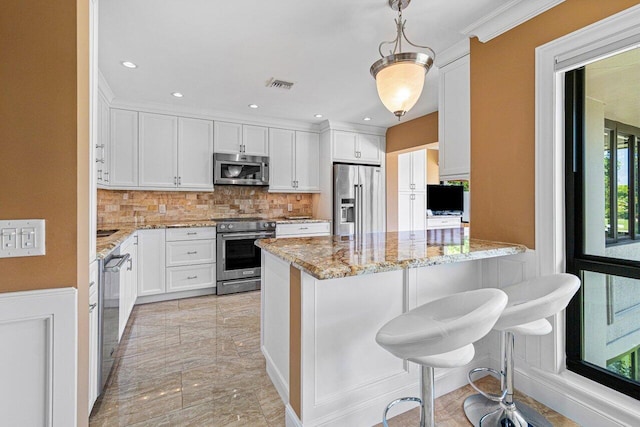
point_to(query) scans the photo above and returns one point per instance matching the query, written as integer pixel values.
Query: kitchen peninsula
(324, 299)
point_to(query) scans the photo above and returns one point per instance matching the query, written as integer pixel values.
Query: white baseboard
(584, 401)
(175, 295)
(276, 377)
(290, 417)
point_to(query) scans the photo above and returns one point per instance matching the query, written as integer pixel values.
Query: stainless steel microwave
(240, 169)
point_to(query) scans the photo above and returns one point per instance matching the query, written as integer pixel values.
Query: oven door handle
(237, 236)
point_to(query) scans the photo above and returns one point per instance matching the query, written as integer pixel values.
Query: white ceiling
(615, 81)
(220, 54)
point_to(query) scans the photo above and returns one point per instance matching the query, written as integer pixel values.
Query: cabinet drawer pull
(192, 233)
(91, 284)
(92, 306)
(192, 252)
(191, 277)
(303, 228)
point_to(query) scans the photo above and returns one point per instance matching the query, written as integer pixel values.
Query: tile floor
(197, 362)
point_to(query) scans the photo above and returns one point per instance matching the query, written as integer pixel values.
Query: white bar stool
(440, 334)
(530, 303)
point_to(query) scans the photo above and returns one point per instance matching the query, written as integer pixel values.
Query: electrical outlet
(290, 207)
(162, 209)
(23, 237)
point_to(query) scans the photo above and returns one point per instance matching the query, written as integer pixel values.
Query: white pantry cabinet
(353, 147)
(412, 191)
(236, 138)
(123, 148)
(151, 265)
(293, 161)
(454, 120)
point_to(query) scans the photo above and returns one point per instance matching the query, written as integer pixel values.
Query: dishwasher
(111, 269)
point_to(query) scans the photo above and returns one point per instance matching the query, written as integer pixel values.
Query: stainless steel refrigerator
(358, 199)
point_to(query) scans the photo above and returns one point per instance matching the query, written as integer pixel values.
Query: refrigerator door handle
(361, 219)
(356, 193)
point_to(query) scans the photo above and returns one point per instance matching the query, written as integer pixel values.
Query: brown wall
(44, 147)
(503, 118)
(433, 169)
(412, 135)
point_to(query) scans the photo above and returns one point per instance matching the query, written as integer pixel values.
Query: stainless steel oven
(238, 258)
(240, 169)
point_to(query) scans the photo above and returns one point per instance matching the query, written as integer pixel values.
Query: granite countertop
(104, 245)
(341, 256)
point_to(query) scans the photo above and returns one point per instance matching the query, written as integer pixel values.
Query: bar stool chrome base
(426, 401)
(486, 413)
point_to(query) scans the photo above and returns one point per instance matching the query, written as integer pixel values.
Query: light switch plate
(22, 237)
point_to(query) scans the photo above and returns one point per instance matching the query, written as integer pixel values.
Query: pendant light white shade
(400, 80)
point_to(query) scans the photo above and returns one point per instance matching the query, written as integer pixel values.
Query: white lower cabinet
(128, 281)
(151, 255)
(93, 333)
(303, 229)
(176, 260)
(444, 221)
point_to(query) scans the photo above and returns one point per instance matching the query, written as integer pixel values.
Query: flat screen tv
(445, 198)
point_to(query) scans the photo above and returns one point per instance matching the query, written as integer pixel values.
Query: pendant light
(400, 75)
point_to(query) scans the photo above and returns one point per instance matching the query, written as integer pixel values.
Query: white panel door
(227, 137)
(419, 211)
(151, 262)
(369, 148)
(307, 161)
(93, 333)
(344, 146)
(123, 149)
(404, 211)
(255, 140)
(195, 153)
(404, 172)
(158, 150)
(281, 159)
(454, 118)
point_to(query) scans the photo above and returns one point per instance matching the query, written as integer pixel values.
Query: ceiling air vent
(279, 84)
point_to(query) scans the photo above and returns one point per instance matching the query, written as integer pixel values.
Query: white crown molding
(206, 114)
(352, 127)
(506, 17)
(105, 89)
(457, 51)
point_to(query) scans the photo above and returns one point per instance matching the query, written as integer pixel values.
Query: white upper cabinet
(293, 161)
(307, 165)
(281, 159)
(227, 137)
(158, 150)
(355, 147)
(454, 120)
(235, 138)
(195, 153)
(255, 140)
(102, 146)
(123, 149)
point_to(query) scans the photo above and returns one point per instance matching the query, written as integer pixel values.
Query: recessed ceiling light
(317, 116)
(366, 119)
(254, 106)
(129, 64)
(177, 94)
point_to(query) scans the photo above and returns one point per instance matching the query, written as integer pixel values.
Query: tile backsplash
(117, 206)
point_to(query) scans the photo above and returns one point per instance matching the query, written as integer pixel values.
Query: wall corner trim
(506, 17)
